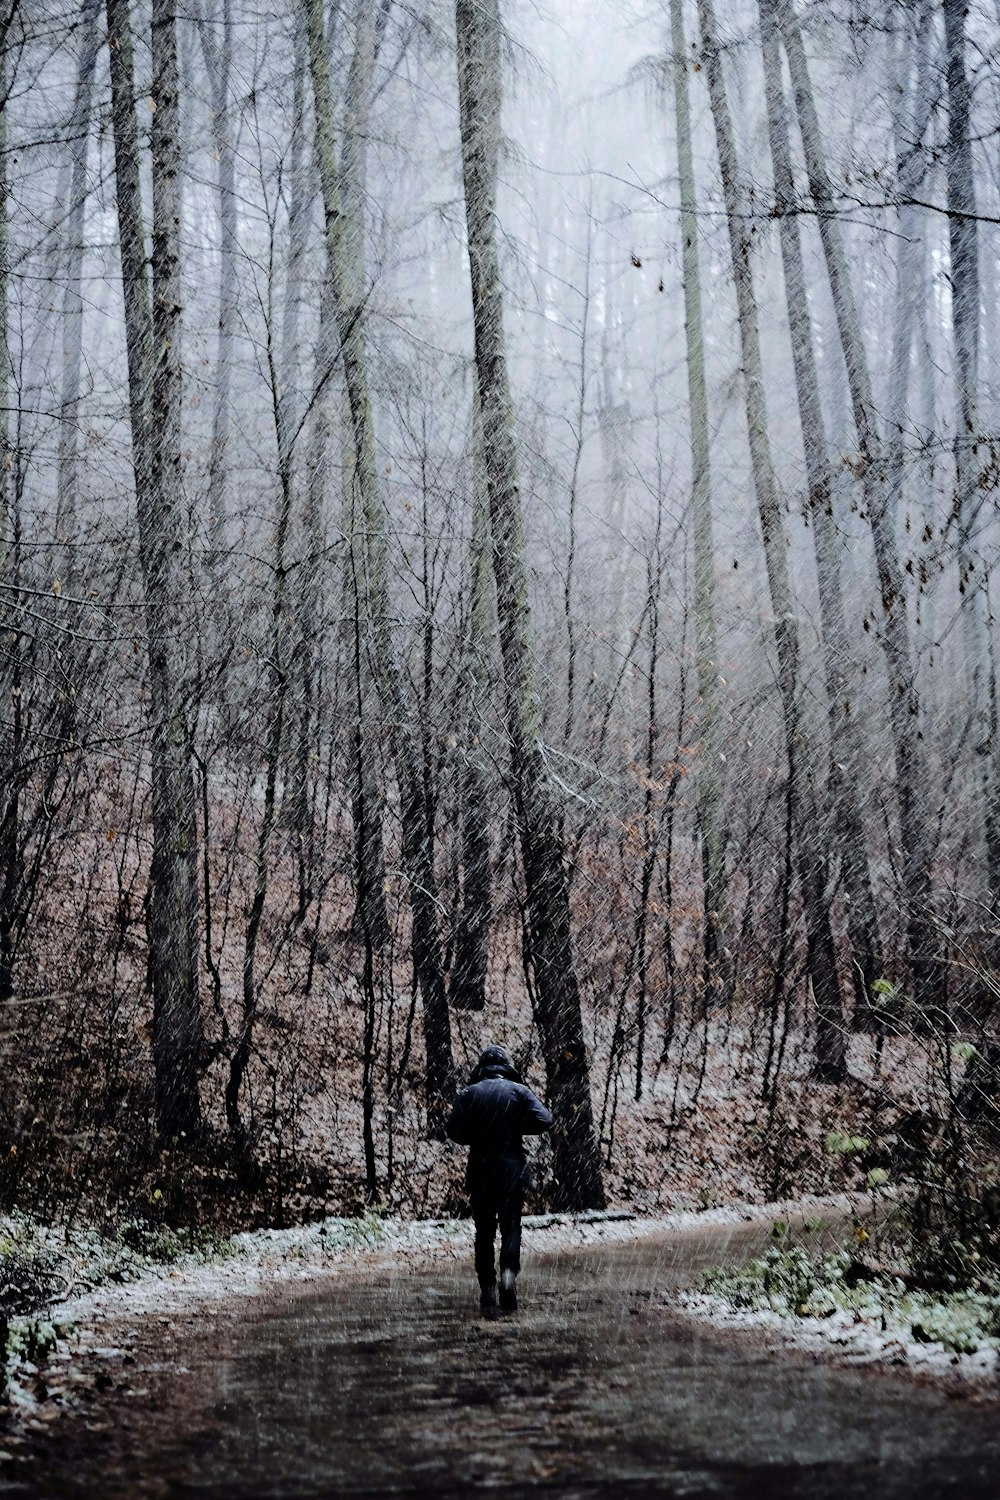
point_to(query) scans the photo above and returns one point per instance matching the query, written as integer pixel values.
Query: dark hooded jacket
(491, 1116)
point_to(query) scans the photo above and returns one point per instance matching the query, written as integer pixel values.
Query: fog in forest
(498, 512)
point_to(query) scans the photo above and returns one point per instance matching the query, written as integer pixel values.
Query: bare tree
(711, 814)
(846, 754)
(904, 704)
(342, 186)
(577, 1163)
(152, 330)
(68, 476)
(467, 986)
(965, 315)
(218, 54)
(6, 21)
(830, 1058)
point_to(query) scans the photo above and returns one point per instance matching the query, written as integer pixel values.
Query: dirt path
(391, 1384)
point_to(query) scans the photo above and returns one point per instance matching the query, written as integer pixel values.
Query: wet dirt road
(393, 1385)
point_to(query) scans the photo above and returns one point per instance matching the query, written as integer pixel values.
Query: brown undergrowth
(693, 1109)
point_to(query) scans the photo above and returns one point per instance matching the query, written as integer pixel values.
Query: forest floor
(270, 1362)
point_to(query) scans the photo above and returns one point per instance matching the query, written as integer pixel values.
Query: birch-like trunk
(711, 814)
(342, 187)
(577, 1162)
(904, 704)
(847, 770)
(821, 960)
(153, 328)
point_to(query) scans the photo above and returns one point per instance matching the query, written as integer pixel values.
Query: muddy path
(391, 1384)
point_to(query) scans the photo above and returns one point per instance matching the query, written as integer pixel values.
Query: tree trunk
(577, 1162)
(6, 16)
(904, 704)
(296, 814)
(241, 1132)
(830, 1060)
(969, 499)
(67, 472)
(370, 922)
(218, 62)
(472, 935)
(310, 657)
(847, 769)
(711, 814)
(343, 193)
(153, 346)
(11, 783)
(911, 115)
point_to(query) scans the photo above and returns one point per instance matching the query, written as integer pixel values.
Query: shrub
(30, 1272)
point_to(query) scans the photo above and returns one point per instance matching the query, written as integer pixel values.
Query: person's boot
(488, 1300)
(508, 1291)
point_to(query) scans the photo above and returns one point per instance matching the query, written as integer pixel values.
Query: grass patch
(796, 1283)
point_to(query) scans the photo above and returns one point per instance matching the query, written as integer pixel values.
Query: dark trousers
(489, 1209)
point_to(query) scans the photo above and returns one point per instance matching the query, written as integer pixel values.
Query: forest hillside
(497, 519)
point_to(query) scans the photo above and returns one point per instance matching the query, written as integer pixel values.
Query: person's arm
(457, 1125)
(535, 1118)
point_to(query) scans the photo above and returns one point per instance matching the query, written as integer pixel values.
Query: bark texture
(821, 953)
(847, 766)
(472, 935)
(973, 571)
(711, 814)
(342, 187)
(904, 702)
(153, 329)
(577, 1163)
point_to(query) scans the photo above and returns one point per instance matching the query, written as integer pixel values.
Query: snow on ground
(258, 1264)
(849, 1340)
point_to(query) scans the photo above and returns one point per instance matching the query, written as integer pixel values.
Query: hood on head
(494, 1062)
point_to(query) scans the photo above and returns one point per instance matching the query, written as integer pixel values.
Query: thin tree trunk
(67, 472)
(153, 346)
(472, 935)
(218, 62)
(11, 783)
(969, 501)
(848, 766)
(6, 16)
(240, 1131)
(904, 704)
(577, 1161)
(310, 659)
(711, 815)
(910, 119)
(830, 1058)
(370, 922)
(295, 811)
(344, 225)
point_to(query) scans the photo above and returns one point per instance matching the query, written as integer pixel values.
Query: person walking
(491, 1116)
